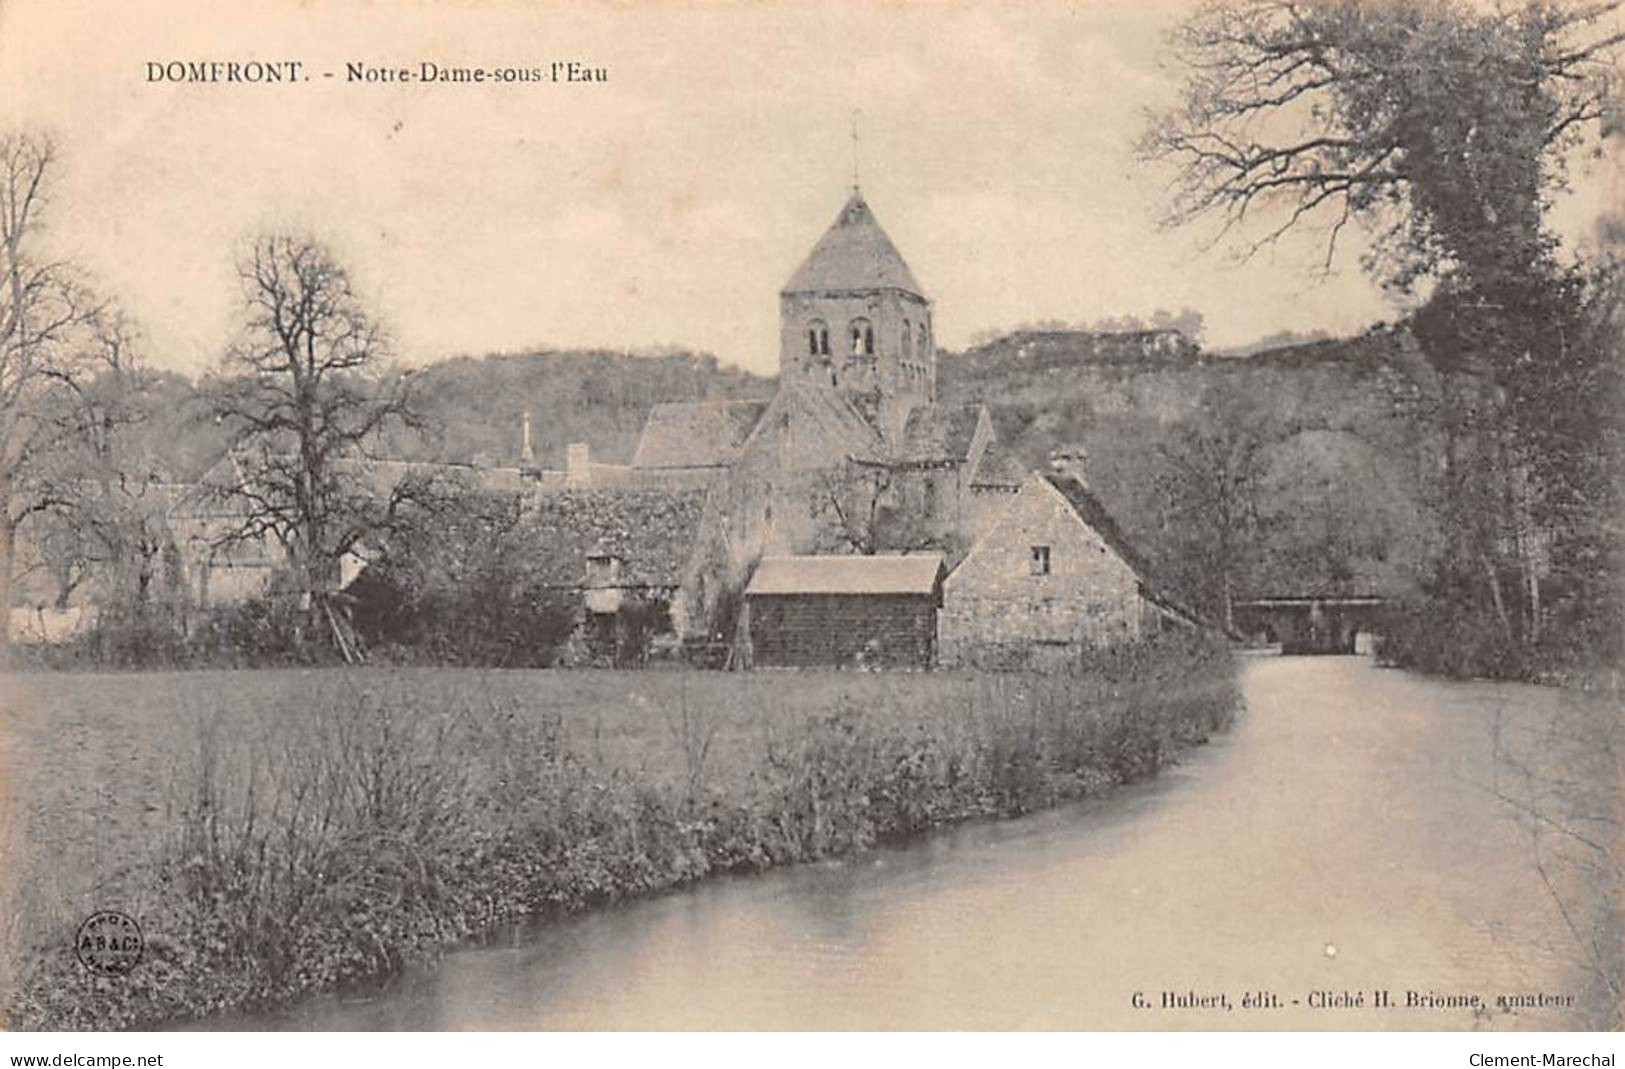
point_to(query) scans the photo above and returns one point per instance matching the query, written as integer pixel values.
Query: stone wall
(995, 606)
(900, 377)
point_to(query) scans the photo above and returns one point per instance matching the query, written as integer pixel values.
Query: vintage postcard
(779, 516)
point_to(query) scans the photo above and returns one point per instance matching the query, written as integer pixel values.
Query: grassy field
(99, 765)
(393, 810)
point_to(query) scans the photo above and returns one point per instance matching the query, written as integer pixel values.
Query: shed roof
(853, 254)
(891, 574)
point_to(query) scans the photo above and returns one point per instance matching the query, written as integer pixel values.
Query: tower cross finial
(854, 150)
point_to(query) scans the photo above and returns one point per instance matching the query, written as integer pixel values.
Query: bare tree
(307, 393)
(43, 307)
(872, 508)
(848, 501)
(108, 479)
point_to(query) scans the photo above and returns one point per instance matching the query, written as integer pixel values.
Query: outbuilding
(853, 611)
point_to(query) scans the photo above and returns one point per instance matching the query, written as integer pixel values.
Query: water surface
(1341, 838)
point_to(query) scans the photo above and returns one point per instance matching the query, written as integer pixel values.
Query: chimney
(577, 466)
(527, 456)
(1070, 460)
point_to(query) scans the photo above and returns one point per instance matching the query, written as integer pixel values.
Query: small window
(818, 338)
(863, 338)
(1040, 560)
(908, 340)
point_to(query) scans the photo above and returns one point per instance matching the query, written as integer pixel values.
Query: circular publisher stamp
(109, 943)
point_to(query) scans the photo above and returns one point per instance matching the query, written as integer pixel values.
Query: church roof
(853, 254)
(695, 434)
(810, 425)
(940, 432)
(997, 469)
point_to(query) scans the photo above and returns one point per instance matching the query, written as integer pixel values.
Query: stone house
(221, 562)
(618, 554)
(215, 567)
(1052, 576)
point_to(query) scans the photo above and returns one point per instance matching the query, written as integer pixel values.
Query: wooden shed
(875, 611)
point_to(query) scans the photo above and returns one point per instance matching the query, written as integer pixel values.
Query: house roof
(651, 530)
(695, 434)
(940, 432)
(215, 494)
(1093, 513)
(218, 494)
(911, 574)
(382, 477)
(853, 254)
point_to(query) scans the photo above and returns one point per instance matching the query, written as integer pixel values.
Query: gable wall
(993, 603)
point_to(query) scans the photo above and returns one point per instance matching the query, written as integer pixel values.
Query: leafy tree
(1337, 516)
(463, 583)
(1440, 124)
(1442, 127)
(1208, 473)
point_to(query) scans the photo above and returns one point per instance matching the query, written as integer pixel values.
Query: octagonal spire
(854, 255)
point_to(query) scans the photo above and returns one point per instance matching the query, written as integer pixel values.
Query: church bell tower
(853, 317)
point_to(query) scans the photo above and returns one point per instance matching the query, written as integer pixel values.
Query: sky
(665, 206)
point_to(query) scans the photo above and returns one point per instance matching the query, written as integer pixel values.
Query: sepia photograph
(772, 516)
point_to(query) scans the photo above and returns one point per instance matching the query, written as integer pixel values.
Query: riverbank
(352, 822)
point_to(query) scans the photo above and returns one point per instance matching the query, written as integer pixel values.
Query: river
(1342, 838)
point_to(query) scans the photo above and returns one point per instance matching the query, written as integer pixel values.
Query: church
(854, 455)
(854, 518)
